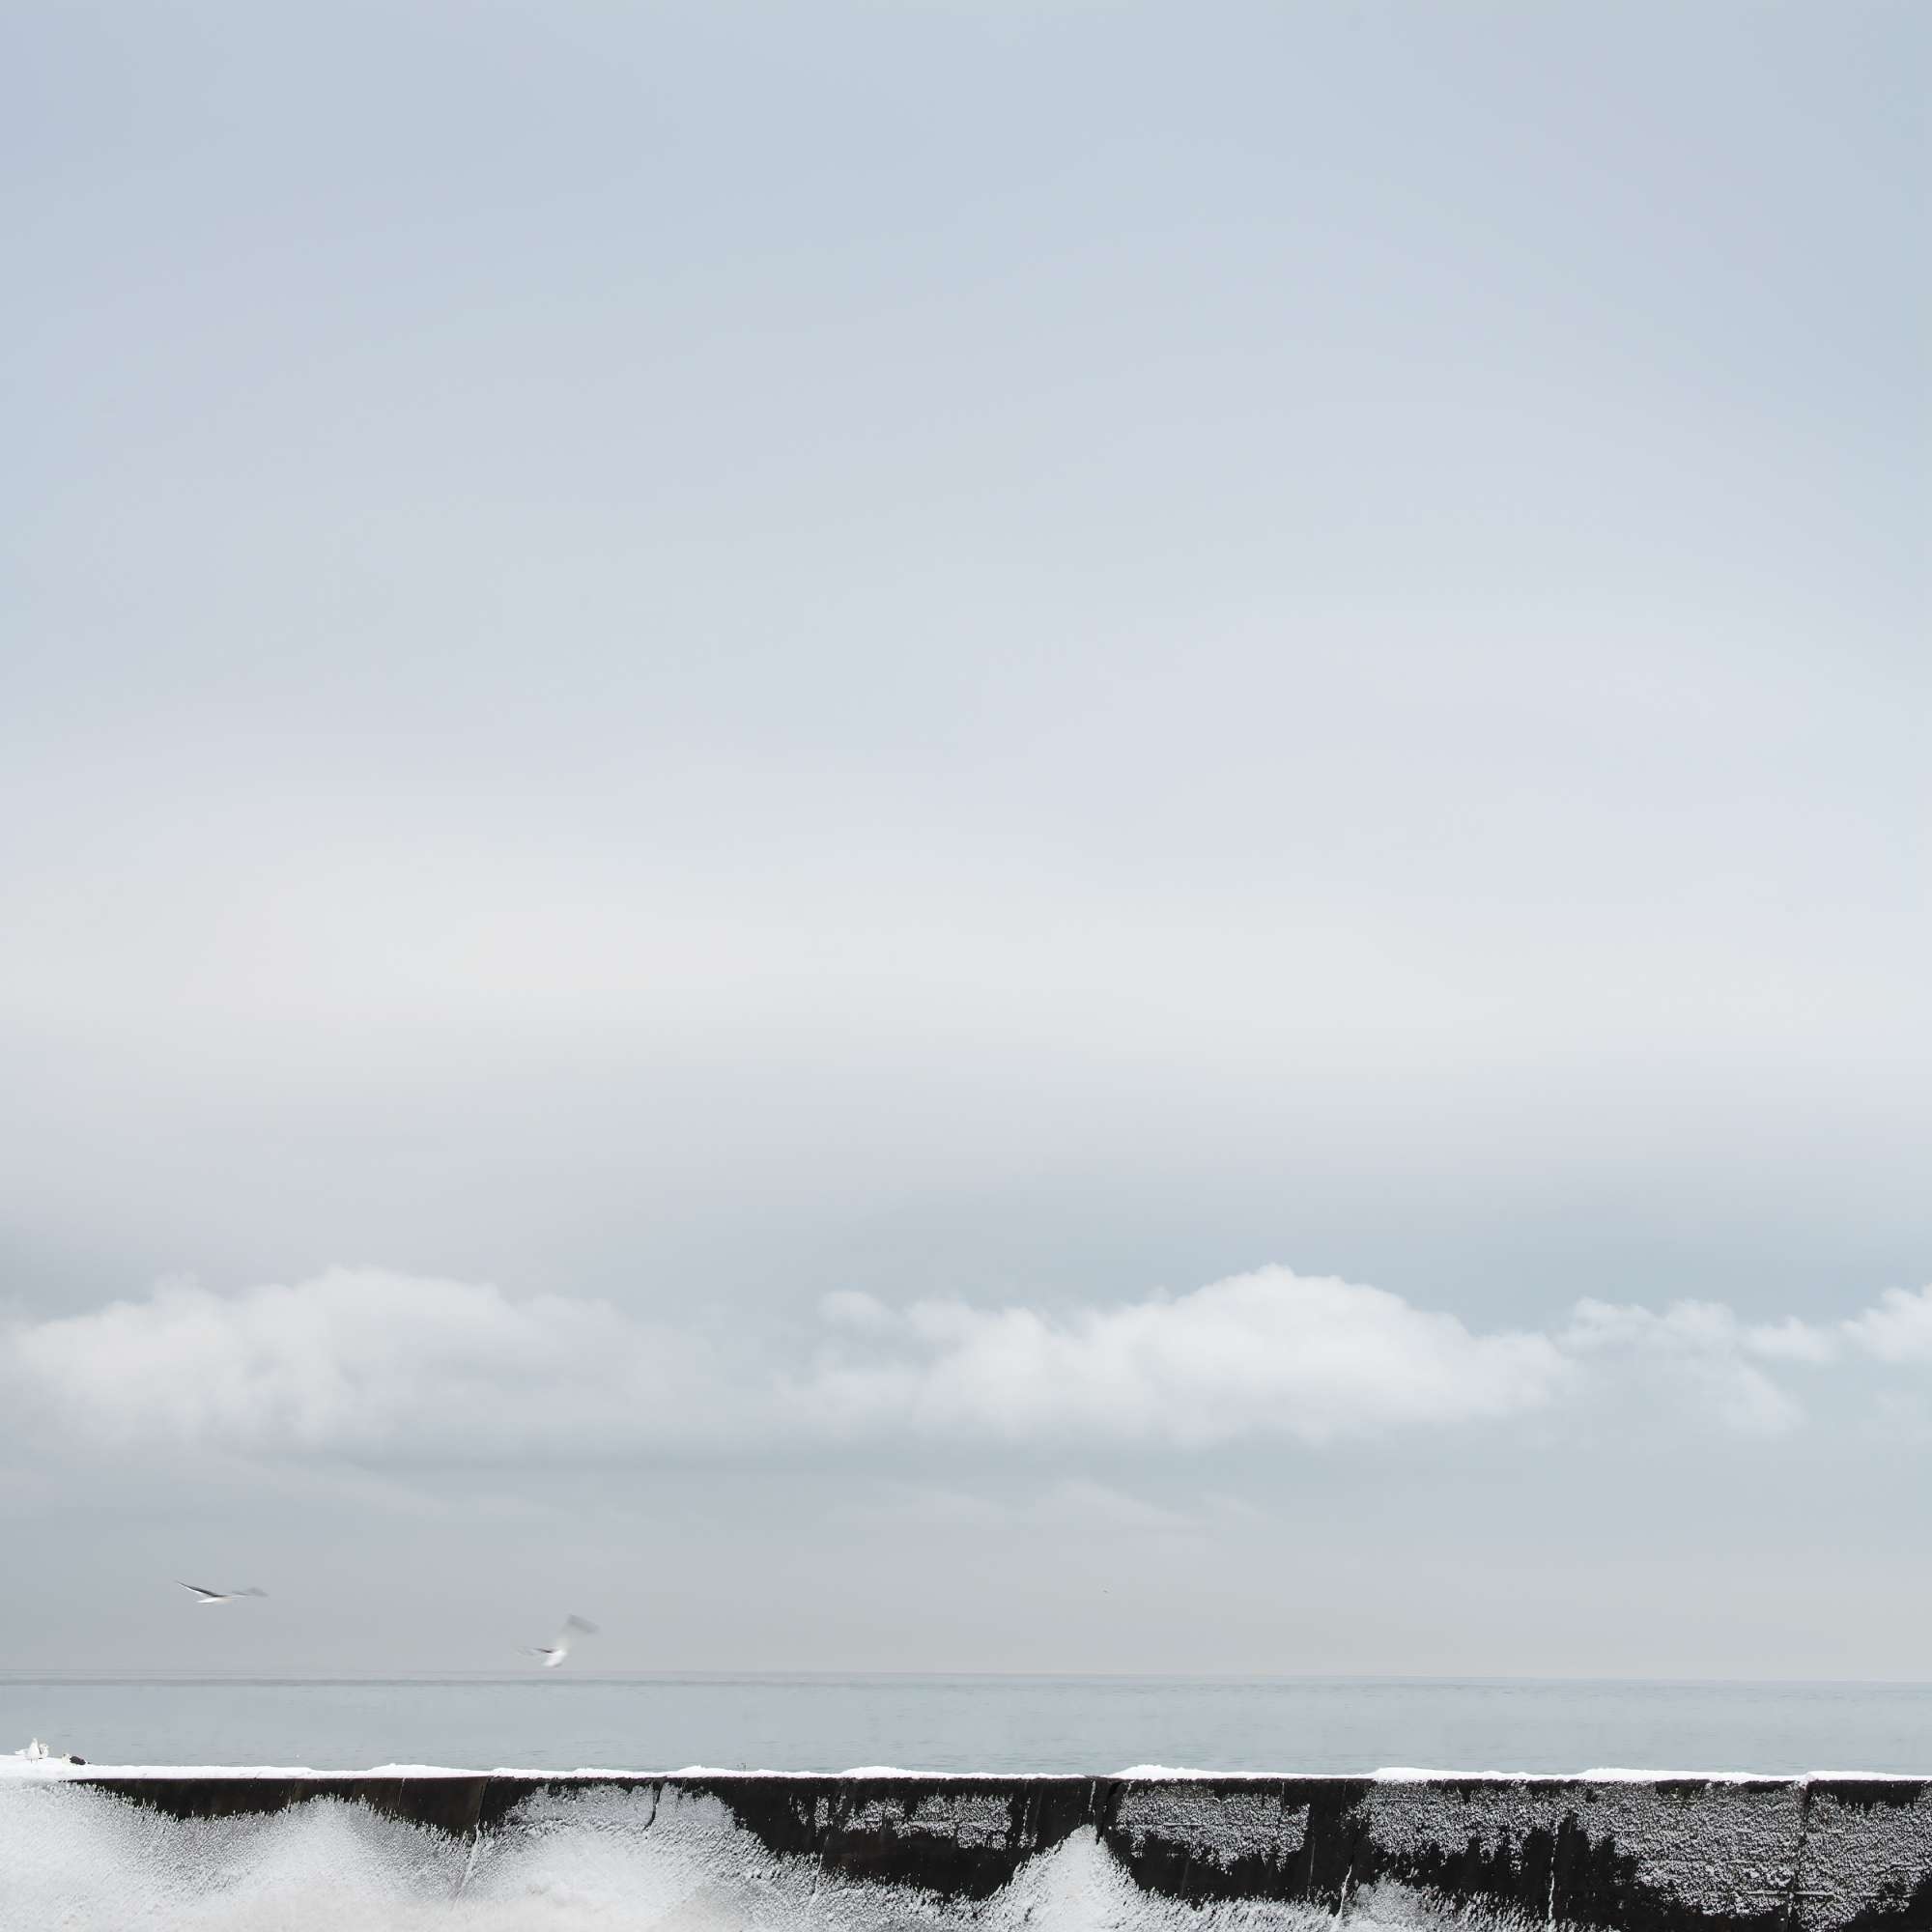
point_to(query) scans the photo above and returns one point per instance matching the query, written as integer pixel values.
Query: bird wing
(582, 1624)
(208, 1596)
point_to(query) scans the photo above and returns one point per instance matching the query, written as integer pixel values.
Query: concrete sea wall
(1635, 1854)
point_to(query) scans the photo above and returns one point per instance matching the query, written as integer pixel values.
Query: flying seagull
(202, 1596)
(553, 1654)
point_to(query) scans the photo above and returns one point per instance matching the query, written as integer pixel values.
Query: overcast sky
(966, 835)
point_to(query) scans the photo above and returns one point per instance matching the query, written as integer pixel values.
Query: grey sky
(691, 659)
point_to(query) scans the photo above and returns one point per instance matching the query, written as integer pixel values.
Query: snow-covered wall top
(1636, 1854)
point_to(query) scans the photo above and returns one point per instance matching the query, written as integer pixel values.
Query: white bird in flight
(553, 1654)
(202, 1596)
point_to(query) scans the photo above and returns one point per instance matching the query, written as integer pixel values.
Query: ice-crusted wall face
(1868, 1855)
(1669, 1850)
(869, 1853)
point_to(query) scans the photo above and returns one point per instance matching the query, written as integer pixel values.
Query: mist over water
(568, 1721)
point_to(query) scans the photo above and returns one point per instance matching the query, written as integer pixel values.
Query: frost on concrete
(1867, 1854)
(1224, 1826)
(961, 1818)
(1598, 1852)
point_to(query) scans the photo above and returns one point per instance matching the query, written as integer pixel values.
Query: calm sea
(1094, 1725)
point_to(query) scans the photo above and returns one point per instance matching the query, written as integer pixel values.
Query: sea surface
(565, 1720)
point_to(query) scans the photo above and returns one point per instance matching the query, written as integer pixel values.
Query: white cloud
(850, 1309)
(1267, 1353)
(364, 1365)
(1706, 1350)
(1792, 1341)
(1898, 1328)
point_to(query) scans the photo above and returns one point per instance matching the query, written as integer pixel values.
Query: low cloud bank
(367, 1364)
(1707, 1353)
(370, 1365)
(1269, 1354)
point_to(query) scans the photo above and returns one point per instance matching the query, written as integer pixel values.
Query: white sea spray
(595, 1859)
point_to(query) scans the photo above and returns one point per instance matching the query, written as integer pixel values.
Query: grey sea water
(562, 1721)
